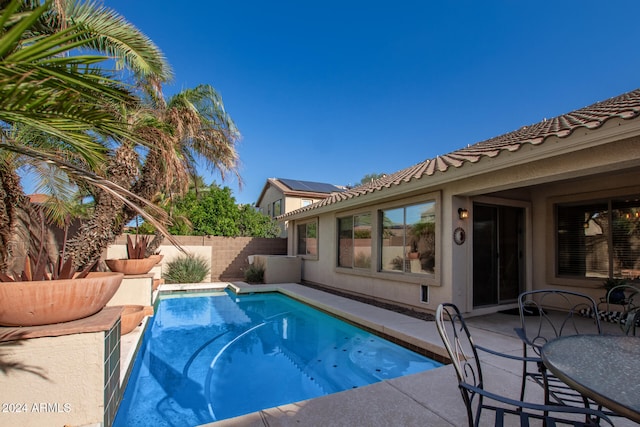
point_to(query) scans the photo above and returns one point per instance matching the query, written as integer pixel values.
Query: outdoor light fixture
(463, 213)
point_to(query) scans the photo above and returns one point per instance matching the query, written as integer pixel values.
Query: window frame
(307, 254)
(278, 204)
(431, 280)
(405, 206)
(353, 255)
(613, 204)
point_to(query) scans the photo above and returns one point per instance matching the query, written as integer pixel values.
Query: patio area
(425, 399)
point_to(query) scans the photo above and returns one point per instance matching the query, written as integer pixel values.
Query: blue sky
(331, 91)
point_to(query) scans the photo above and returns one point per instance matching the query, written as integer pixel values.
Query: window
(277, 208)
(306, 202)
(354, 241)
(599, 239)
(308, 238)
(408, 241)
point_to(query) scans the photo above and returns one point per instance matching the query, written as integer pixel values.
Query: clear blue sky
(331, 91)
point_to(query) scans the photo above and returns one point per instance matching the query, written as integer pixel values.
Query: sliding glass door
(498, 254)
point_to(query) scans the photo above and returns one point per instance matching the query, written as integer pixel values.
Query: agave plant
(137, 249)
(43, 269)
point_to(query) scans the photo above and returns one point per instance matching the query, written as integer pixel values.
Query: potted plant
(414, 254)
(45, 293)
(131, 317)
(137, 261)
(615, 292)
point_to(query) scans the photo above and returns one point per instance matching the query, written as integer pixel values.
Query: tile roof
(625, 106)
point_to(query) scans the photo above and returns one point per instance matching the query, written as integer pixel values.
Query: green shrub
(254, 274)
(186, 269)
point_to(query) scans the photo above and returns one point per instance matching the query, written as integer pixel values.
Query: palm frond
(144, 208)
(113, 35)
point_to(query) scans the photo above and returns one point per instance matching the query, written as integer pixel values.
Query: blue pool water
(217, 356)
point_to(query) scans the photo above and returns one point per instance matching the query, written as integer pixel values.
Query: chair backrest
(630, 319)
(549, 313)
(462, 352)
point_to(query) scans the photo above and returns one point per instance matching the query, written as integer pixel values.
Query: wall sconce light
(463, 213)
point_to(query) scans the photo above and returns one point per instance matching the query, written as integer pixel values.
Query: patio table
(604, 368)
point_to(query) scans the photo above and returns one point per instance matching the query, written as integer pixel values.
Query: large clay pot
(132, 266)
(131, 317)
(55, 301)
(157, 257)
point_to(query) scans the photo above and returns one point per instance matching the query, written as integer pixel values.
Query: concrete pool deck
(430, 398)
(426, 399)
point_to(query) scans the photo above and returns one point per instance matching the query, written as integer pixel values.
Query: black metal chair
(544, 315)
(629, 318)
(464, 357)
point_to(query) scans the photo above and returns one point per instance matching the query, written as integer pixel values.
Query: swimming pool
(208, 357)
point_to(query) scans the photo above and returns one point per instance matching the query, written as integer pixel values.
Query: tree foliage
(57, 103)
(212, 211)
(111, 133)
(370, 177)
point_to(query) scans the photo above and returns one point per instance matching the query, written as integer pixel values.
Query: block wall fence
(229, 255)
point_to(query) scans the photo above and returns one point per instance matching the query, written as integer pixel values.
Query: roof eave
(614, 129)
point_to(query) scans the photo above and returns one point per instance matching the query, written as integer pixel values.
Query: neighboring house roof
(298, 188)
(308, 186)
(626, 106)
(38, 198)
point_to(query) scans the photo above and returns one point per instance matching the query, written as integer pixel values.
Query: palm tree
(65, 103)
(47, 88)
(191, 126)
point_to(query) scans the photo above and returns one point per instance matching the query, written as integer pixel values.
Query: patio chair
(629, 318)
(478, 401)
(544, 315)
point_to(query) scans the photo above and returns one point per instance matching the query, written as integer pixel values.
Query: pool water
(219, 355)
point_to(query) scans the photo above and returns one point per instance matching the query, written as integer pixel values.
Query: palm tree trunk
(107, 222)
(155, 243)
(22, 227)
(11, 196)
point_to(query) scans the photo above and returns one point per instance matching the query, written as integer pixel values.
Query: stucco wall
(228, 255)
(271, 195)
(399, 288)
(70, 379)
(288, 204)
(584, 166)
(543, 219)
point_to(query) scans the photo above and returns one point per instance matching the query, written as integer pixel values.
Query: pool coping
(427, 398)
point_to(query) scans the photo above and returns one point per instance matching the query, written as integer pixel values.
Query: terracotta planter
(132, 266)
(131, 317)
(55, 301)
(157, 283)
(157, 257)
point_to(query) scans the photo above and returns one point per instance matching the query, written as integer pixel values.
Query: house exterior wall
(288, 204)
(587, 165)
(271, 195)
(592, 188)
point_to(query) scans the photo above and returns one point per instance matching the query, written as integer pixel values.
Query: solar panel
(315, 187)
